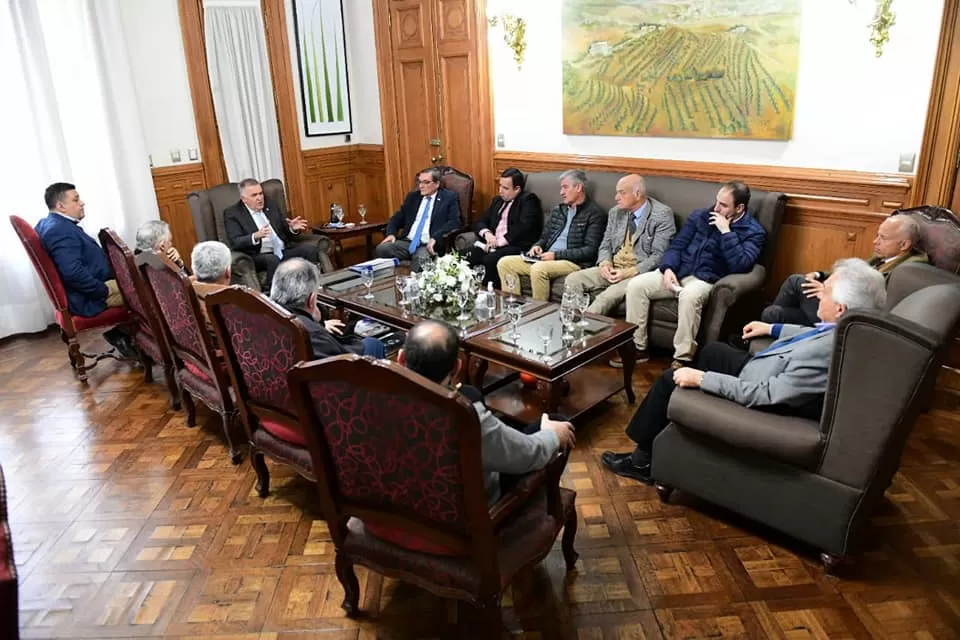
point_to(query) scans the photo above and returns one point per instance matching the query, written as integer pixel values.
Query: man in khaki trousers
(570, 240)
(714, 242)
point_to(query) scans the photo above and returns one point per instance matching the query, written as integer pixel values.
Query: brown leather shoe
(679, 364)
(642, 356)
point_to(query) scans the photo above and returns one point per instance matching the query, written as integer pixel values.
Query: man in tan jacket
(638, 231)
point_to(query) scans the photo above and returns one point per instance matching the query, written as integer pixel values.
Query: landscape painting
(680, 68)
(321, 53)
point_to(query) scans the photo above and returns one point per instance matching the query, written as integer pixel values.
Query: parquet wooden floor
(127, 524)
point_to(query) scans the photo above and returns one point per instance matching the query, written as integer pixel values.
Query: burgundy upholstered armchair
(198, 365)
(261, 342)
(400, 482)
(9, 604)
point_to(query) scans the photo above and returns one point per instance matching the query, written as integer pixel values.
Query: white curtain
(69, 114)
(242, 91)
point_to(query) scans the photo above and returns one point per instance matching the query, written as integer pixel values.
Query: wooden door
(412, 45)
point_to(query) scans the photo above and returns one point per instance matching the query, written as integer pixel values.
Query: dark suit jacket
(524, 223)
(82, 264)
(240, 226)
(324, 343)
(444, 215)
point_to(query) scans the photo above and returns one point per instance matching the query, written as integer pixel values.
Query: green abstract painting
(688, 69)
(321, 52)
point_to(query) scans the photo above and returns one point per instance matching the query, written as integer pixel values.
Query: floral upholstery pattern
(121, 269)
(176, 311)
(392, 450)
(264, 351)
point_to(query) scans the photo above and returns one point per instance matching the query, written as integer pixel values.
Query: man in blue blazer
(416, 231)
(82, 264)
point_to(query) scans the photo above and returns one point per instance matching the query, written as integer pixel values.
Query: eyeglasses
(426, 181)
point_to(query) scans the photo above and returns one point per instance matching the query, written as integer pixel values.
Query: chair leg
(76, 359)
(226, 419)
(147, 363)
(172, 387)
(831, 562)
(664, 492)
(570, 555)
(263, 474)
(191, 409)
(351, 587)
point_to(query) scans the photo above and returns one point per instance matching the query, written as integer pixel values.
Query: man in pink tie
(509, 227)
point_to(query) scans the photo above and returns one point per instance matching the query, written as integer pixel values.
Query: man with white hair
(295, 285)
(638, 232)
(211, 271)
(897, 242)
(789, 376)
(154, 235)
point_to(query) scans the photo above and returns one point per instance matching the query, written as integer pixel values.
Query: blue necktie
(796, 338)
(415, 240)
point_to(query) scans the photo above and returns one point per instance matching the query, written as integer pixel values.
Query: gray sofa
(817, 481)
(684, 196)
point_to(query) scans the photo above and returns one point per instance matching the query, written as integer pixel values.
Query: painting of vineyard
(691, 69)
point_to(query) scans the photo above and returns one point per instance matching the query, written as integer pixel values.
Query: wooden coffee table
(339, 234)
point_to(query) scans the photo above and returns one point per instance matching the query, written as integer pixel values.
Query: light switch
(907, 161)
(192, 155)
(175, 155)
(501, 142)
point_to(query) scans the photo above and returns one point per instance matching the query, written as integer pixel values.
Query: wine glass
(515, 312)
(367, 278)
(338, 214)
(401, 286)
(545, 331)
(583, 303)
(510, 281)
(479, 272)
(566, 318)
(362, 210)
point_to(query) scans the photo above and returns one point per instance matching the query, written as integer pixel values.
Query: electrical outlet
(907, 162)
(193, 155)
(346, 138)
(175, 155)
(501, 142)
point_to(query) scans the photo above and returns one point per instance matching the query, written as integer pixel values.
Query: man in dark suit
(510, 226)
(295, 288)
(82, 264)
(256, 227)
(425, 217)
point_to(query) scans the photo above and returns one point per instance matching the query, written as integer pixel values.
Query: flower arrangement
(439, 285)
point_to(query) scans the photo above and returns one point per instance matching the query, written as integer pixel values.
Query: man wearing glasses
(416, 231)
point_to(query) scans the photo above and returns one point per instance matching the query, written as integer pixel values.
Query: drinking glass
(490, 299)
(338, 213)
(566, 318)
(510, 282)
(545, 331)
(412, 289)
(515, 312)
(583, 301)
(463, 297)
(367, 276)
(479, 272)
(362, 210)
(401, 285)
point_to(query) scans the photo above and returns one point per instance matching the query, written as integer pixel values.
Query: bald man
(897, 242)
(638, 231)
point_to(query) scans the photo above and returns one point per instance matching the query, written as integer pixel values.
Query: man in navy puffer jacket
(714, 242)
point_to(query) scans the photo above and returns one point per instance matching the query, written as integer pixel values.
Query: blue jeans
(374, 348)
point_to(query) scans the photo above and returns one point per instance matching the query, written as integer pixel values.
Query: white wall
(155, 44)
(853, 111)
(362, 73)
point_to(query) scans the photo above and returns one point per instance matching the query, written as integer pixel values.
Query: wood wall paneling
(172, 184)
(829, 214)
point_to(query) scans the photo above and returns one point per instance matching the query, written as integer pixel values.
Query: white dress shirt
(425, 236)
(266, 243)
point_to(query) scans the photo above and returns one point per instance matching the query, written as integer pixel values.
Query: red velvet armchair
(148, 330)
(70, 325)
(398, 467)
(261, 342)
(198, 365)
(8, 573)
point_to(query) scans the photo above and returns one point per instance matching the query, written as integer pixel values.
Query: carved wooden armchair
(9, 603)
(196, 360)
(261, 342)
(71, 326)
(148, 335)
(398, 468)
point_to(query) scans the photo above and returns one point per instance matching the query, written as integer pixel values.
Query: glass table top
(543, 337)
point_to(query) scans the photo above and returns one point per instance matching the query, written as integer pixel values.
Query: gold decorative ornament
(883, 19)
(514, 34)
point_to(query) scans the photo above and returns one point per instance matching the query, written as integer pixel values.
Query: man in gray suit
(789, 376)
(432, 349)
(638, 231)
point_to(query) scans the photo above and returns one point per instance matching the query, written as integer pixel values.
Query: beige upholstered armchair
(207, 208)
(816, 481)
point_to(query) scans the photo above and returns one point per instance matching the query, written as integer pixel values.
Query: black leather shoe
(610, 457)
(625, 467)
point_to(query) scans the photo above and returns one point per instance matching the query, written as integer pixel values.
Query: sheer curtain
(69, 114)
(242, 91)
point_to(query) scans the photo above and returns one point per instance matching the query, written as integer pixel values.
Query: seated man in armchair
(426, 216)
(295, 285)
(897, 242)
(715, 241)
(211, 272)
(569, 242)
(510, 226)
(789, 376)
(154, 235)
(639, 230)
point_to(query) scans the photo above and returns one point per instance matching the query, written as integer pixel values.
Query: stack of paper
(377, 264)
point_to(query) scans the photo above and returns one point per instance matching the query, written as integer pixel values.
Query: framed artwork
(682, 69)
(322, 64)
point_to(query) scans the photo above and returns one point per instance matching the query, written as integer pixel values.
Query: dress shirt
(560, 244)
(425, 234)
(501, 232)
(266, 244)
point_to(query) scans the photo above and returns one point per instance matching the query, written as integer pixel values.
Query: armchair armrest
(243, 271)
(324, 245)
(792, 440)
(757, 345)
(464, 242)
(726, 291)
(526, 486)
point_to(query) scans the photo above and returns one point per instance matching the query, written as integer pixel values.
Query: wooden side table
(339, 234)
